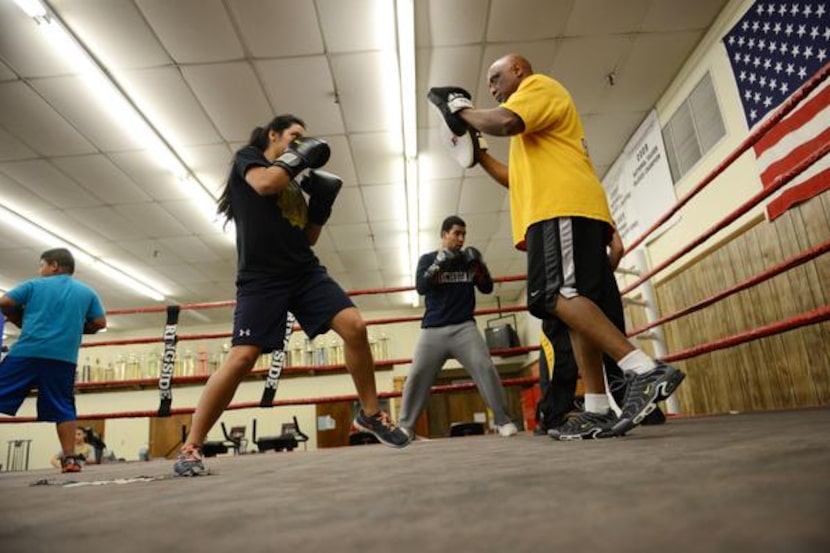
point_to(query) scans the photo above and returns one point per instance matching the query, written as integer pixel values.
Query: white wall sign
(639, 183)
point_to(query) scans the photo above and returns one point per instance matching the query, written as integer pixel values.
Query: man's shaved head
(505, 75)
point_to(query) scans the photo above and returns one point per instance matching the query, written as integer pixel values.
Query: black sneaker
(383, 428)
(654, 418)
(643, 393)
(585, 426)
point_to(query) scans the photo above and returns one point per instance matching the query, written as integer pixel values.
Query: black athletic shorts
(568, 256)
(263, 303)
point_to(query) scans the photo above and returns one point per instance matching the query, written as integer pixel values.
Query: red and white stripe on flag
(788, 143)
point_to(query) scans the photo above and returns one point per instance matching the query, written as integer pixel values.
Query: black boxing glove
(322, 189)
(475, 261)
(450, 100)
(443, 259)
(473, 257)
(303, 153)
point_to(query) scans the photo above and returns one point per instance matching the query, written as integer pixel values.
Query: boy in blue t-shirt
(52, 312)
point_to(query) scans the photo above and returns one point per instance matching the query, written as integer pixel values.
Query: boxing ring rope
(777, 184)
(444, 388)
(777, 269)
(790, 104)
(814, 316)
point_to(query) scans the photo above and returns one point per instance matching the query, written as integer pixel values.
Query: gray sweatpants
(436, 345)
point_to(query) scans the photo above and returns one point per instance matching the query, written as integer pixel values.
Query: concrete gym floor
(752, 482)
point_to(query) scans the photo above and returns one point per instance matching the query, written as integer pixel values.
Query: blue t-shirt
(55, 311)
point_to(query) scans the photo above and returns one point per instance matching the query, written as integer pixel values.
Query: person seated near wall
(84, 452)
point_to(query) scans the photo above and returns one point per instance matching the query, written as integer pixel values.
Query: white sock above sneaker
(637, 362)
(597, 403)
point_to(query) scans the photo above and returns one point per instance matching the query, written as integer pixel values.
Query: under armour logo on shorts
(245, 332)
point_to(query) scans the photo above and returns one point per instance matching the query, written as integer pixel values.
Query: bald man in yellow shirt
(560, 216)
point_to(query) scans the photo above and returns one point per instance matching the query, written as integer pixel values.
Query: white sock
(597, 403)
(637, 362)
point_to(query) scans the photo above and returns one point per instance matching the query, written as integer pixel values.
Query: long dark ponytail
(259, 140)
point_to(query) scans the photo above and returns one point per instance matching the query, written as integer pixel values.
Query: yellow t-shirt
(549, 168)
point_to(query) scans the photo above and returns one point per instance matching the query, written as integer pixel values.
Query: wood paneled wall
(783, 371)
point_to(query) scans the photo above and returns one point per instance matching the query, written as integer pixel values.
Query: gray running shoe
(643, 393)
(189, 461)
(383, 428)
(585, 426)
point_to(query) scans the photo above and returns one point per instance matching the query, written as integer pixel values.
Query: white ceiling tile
(304, 87)
(209, 37)
(540, 54)
(182, 272)
(645, 74)
(190, 249)
(393, 262)
(211, 164)
(6, 73)
(11, 148)
(429, 240)
(20, 199)
(442, 23)
(45, 180)
(231, 94)
(681, 15)
(357, 25)
(481, 195)
(94, 120)
(31, 116)
(376, 159)
(445, 66)
(390, 234)
(583, 64)
(350, 237)
(218, 271)
(348, 207)
(607, 134)
(606, 17)
(385, 202)
(480, 228)
(272, 28)
(439, 199)
(152, 252)
(536, 20)
(114, 30)
(368, 102)
(107, 222)
(365, 278)
(360, 261)
(103, 178)
(331, 261)
(141, 167)
(341, 162)
(167, 100)
(26, 47)
(499, 249)
(155, 219)
(197, 222)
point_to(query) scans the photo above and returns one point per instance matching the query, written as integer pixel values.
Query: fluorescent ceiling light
(108, 93)
(405, 25)
(33, 8)
(32, 230)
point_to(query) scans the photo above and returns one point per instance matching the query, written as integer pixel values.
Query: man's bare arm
(497, 121)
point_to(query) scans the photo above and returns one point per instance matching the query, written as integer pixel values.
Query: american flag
(774, 49)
